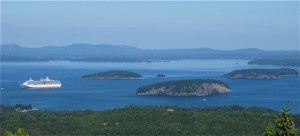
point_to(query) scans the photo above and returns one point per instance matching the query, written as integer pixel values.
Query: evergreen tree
(284, 124)
(270, 130)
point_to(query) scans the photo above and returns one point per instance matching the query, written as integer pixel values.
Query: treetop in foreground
(285, 125)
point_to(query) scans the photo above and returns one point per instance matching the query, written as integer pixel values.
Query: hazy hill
(75, 50)
(107, 52)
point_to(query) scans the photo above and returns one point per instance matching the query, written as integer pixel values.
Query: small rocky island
(116, 74)
(195, 87)
(161, 76)
(262, 73)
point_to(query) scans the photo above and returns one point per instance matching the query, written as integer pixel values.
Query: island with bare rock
(261, 73)
(194, 87)
(115, 74)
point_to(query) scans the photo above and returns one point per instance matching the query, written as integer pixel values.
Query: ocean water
(78, 93)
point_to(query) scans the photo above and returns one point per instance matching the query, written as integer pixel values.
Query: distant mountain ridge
(62, 51)
(108, 52)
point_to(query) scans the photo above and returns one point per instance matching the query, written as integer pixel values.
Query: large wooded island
(115, 74)
(262, 73)
(195, 87)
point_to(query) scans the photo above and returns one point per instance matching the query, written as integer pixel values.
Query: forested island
(262, 73)
(278, 62)
(195, 87)
(115, 74)
(146, 120)
(161, 76)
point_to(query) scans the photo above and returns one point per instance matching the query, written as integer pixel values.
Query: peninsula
(262, 73)
(195, 87)
(116, 74)
(277, 62)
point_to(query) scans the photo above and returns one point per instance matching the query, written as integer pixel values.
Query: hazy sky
(218, 25)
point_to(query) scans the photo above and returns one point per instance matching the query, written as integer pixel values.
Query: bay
(78, 93)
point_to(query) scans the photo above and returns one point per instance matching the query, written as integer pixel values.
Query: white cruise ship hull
(41, 86)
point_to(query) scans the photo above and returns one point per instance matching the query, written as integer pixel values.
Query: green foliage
(145, 120)
(279, 62)
(20, 132)
(8, 133)
(284, 124)
(269, 130)
(117, 74)
(180, 86)
(255, 73)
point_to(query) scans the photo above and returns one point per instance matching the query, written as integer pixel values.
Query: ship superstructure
(42, 83)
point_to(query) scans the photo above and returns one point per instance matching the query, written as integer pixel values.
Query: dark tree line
(145, 120)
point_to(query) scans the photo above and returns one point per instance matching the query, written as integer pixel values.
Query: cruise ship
(42, 83)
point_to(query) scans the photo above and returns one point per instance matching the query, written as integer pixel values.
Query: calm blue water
(77, 93)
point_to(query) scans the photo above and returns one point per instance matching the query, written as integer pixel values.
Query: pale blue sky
(218, 25)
